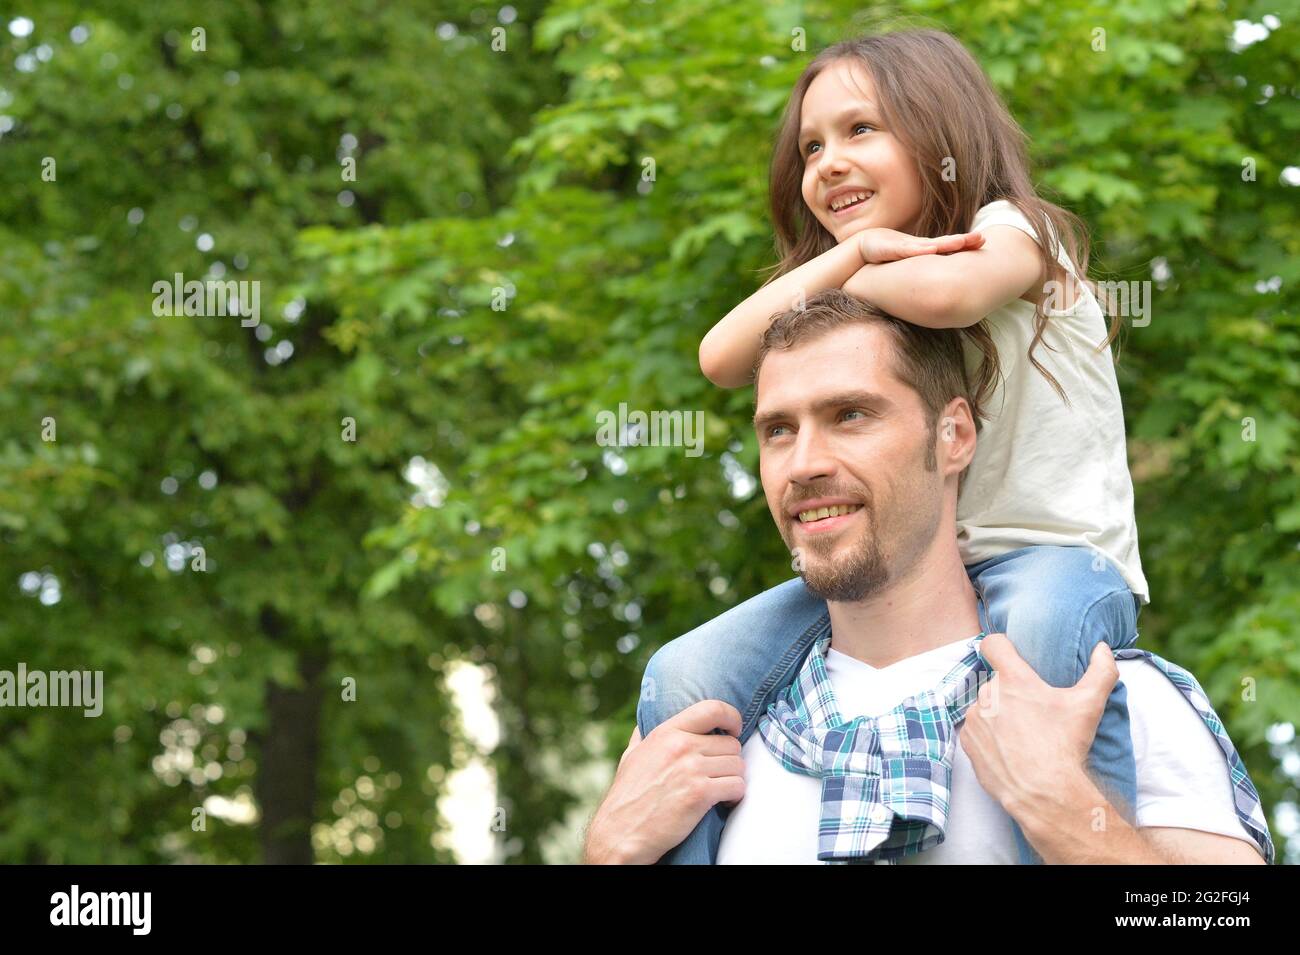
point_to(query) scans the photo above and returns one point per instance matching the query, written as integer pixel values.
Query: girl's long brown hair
(941, 106)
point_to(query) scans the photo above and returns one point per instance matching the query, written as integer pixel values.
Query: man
(838, 425)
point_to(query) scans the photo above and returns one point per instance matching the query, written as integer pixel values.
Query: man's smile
(819, 516)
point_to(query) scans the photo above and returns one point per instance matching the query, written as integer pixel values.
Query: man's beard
(854, 576)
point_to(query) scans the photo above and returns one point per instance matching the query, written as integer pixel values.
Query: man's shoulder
(1159, 704)
(1186, 777)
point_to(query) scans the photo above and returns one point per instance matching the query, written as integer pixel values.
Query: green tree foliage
(539, 233)
(174, 155)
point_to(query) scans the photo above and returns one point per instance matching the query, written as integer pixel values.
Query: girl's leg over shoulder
(730, 657)
(1055, 604)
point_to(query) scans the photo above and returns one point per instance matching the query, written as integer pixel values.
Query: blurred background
(362, 582)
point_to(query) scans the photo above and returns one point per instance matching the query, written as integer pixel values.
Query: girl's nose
(831, 161)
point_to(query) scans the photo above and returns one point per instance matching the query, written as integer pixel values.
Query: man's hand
(1028, 743)
(1024, 737)
(665, 784)
(889, 245)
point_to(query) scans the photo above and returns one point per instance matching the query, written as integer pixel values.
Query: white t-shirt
(1183, 778)
(1045, 473)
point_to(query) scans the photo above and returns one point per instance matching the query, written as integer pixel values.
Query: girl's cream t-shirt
(1046, 472)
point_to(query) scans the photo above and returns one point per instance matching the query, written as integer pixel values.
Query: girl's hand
(887, 245)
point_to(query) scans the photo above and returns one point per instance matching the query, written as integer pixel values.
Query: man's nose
(811, 460)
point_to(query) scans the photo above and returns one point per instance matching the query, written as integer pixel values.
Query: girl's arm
(956, 290)
(728, 351)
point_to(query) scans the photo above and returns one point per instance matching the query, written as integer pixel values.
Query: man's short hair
(929, 360)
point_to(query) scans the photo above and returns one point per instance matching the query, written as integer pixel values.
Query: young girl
(899, 176)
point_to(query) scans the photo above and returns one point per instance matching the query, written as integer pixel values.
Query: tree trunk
(286, 776)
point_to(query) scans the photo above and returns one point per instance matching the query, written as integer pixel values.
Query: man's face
(837, 429)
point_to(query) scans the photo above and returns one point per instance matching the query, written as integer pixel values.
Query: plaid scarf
(887, 780)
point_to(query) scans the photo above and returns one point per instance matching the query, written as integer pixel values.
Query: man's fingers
(713, 744)
(706, 716)
(719, 766)
(1003, 657)
(726, 789)
(1102, 673)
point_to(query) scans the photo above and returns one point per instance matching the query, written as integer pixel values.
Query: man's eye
(854, 411)
(774, 431)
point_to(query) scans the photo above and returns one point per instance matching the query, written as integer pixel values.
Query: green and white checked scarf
(887, 780)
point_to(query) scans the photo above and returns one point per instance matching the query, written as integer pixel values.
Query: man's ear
(956, 434)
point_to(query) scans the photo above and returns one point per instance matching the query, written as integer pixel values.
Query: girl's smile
(851, 205)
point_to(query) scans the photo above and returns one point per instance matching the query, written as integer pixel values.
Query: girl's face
(846, 151)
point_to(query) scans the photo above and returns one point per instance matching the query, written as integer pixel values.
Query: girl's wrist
(855, 251)
(861, 239)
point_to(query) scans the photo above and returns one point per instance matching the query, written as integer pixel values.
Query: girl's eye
(856, 127)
